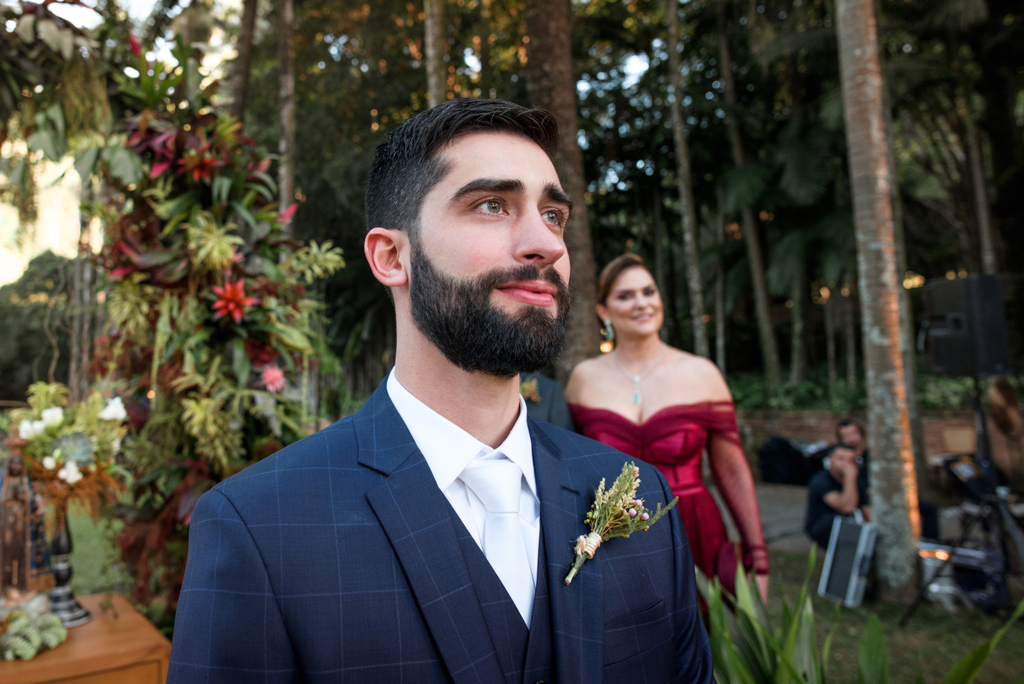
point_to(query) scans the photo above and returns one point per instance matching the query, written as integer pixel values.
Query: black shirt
(818, 523)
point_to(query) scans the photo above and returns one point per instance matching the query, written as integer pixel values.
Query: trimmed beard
(458, 317)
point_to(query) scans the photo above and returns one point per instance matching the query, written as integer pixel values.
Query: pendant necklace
(637, 398)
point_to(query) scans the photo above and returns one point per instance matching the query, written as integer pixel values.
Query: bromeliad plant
(215, 334)
(747, 650)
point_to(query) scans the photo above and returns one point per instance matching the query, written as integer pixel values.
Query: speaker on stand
(964, 334)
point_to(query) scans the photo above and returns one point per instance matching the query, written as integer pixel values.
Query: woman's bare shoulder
(585, 373)
(696, 371)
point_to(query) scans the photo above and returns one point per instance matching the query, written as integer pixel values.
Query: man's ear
(383, 249)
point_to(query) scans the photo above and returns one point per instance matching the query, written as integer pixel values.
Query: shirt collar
(447, 448)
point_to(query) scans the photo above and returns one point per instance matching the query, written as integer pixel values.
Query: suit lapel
(414, 514)
(577, 610)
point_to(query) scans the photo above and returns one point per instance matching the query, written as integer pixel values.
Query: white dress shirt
(448, 449)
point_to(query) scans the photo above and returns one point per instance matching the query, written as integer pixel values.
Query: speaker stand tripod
(991, 507)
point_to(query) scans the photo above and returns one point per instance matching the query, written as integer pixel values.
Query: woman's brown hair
(612, 271)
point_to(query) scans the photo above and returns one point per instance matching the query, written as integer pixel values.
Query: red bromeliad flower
(231, 301)
(133, 43)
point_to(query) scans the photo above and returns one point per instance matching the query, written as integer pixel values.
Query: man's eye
(553, 216)
(492, 207)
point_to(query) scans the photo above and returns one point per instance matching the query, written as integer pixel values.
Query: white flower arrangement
(114, 410)
(53, 416)
(70, 473)
(70, 449)
(27, 429)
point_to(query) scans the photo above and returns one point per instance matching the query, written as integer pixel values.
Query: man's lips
(536, 292)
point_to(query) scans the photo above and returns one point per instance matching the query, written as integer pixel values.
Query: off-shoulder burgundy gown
(674, 439)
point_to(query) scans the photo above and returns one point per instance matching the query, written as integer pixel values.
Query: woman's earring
(608, 333)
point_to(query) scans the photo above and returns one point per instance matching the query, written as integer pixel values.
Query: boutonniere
(528, 388)
(615, 513)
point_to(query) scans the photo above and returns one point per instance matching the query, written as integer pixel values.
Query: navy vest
(524, 653)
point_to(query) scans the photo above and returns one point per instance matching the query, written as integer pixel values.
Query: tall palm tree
(688, 216)
(286, 94)
(433, 49)
(766, 332)
(551, 86)
(242, 67)
(894, 484)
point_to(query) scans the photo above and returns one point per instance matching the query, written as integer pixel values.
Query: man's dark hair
(847, 422)
(407, 166)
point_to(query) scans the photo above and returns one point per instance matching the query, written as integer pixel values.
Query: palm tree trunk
(286, 55)
(989, 265)
(850, 331)
(906, 313)
(894, 486)
(486, 72)
(551, 86)
(769, 349)
(720, 292)
(76, 315)
(433, 44)
(798, 349)
(658, 230)
(830, 339)
(687, 213)
(84, 351)
(242, 67)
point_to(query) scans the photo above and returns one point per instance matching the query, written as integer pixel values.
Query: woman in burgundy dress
(666, 407)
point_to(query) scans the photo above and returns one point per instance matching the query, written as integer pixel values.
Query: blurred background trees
(769, 276)
(711, 136)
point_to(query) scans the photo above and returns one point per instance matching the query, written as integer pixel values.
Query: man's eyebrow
(556, 194)
(489, 185)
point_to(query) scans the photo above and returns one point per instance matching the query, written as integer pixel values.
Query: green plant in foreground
(747, 650)
(25, 636)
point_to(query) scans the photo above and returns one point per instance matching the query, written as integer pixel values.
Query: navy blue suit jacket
(336, 559)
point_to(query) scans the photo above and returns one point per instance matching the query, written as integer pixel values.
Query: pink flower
(133, 43)
(272, 378)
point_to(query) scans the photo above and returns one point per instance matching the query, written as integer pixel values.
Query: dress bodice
(674, 440)
(669, 439)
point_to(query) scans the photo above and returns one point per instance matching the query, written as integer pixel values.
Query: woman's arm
(731, 474)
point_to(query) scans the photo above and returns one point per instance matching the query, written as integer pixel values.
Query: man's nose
(537, 241)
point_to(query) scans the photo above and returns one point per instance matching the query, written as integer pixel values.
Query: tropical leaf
(967, 669)
(874, 655)
(807, 166)
(812, 41)
(743, 186)
(957, 14)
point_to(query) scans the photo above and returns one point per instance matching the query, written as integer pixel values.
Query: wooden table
(126, 649)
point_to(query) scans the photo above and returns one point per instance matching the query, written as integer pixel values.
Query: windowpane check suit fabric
(337, 560)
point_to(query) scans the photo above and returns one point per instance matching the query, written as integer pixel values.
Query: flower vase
(62, 597)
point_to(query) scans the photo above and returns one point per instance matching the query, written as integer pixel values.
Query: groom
(427, 537)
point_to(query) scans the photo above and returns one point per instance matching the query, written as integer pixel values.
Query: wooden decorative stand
(126, 649)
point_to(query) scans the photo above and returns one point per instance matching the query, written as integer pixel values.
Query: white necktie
(497, 482)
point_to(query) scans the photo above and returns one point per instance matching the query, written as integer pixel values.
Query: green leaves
(240, 364)
(313, 261)
(874, 654)
(967, 669)
(747, 650)
(125, 165)
(48, 136)
(743, 186)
